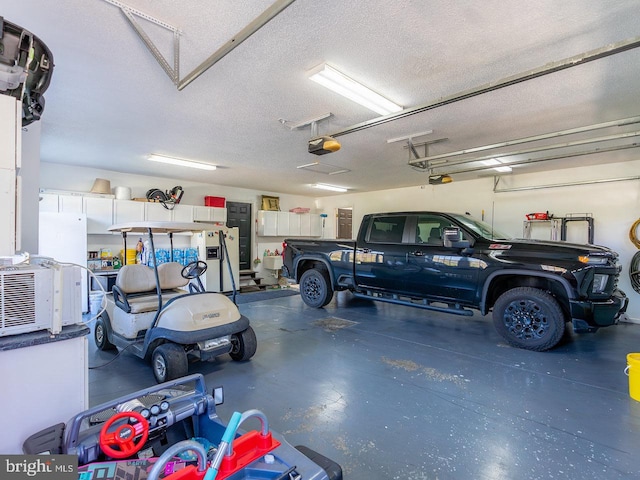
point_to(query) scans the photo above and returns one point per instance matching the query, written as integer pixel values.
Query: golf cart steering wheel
(194, 270)
(124, 436)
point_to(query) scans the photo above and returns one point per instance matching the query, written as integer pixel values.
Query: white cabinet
(183, 213)
(218, 214)
(282, 225)
(72, 203)
(125, 211)
(48, 203)
(209, 214)
(103, 212)
(99, 213)
(156, 212)
(287, 224)
(316, 224)
(267, 223)
(295, 222)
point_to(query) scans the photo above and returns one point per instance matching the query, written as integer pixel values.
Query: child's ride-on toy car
(167, 430)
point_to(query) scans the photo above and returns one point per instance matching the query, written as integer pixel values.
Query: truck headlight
(599, 283)
(593, 259)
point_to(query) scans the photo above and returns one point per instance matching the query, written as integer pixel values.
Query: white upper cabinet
(182, 213)
(288, 224)
(99, 214)
(156, 212)
(125, 211)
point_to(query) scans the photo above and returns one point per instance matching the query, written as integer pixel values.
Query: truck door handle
(417, 253)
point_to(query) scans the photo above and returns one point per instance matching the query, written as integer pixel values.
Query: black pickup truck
(451, 263)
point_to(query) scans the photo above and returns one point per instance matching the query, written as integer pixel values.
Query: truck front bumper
(588, 316)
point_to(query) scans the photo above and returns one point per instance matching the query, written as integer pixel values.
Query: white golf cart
(163, 314)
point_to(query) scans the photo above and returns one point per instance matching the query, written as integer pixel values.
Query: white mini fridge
(217, 277)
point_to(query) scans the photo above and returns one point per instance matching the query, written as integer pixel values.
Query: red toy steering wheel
(124, 436)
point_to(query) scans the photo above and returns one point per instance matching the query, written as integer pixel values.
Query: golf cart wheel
(169, 361)
(243, 345)
(529, 318)
(101, 337)
(315, 288)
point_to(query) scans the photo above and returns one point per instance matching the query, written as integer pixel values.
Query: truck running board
(423, 303)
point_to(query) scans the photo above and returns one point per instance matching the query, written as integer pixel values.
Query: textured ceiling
(110, 104)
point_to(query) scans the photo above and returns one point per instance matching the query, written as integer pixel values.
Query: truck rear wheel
(169, 361)
(315, 288)
(529, 318)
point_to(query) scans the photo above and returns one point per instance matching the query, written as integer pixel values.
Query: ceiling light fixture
(180, 162)
(333, 188)
(338, 82)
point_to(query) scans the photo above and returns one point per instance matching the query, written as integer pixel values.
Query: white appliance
(36, 298)
(63, 237)
(217, 278)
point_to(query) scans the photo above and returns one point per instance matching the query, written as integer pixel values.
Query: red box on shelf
(214, 202)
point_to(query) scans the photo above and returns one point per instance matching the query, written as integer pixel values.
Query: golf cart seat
(135, 288)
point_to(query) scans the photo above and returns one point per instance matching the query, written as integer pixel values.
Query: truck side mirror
(452, 237)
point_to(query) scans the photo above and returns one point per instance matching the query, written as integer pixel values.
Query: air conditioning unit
(36, 298)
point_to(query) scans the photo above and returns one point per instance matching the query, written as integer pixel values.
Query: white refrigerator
(217, 278)
(63, 236)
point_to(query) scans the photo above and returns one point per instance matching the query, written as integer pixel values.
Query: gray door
(345, 229)
(239, 215)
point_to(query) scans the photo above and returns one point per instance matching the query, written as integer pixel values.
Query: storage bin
(214, 202)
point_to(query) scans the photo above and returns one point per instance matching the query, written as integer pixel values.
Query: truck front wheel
(315, 288)
(529, 318)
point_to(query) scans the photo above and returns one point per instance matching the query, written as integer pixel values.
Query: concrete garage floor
(392, 392)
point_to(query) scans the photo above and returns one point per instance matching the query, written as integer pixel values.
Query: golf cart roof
(159, 227)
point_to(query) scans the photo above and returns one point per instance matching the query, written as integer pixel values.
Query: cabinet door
(125, 211)
(72, 203)
(283, 224)
(99, 214)
(219, 214)
(267, 223)
(182, 213)
(294, 224)
(316, 225)
(305, 225)
(48, 203)
(156, 212)
(202, 214)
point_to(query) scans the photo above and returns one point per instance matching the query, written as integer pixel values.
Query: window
(387, 229)
(430, 228)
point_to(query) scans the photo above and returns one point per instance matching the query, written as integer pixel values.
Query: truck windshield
(481, 228)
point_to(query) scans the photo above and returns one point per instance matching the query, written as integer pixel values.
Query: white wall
(615, 206)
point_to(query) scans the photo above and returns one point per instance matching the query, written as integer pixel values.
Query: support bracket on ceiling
(312, 122)
(174, 72)
(130, 15)
(415, 159)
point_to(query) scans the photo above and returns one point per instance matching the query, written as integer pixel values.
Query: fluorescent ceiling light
(494, 161)
(332, 79)
(491, 162)
(333, 188)
(180, 162)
